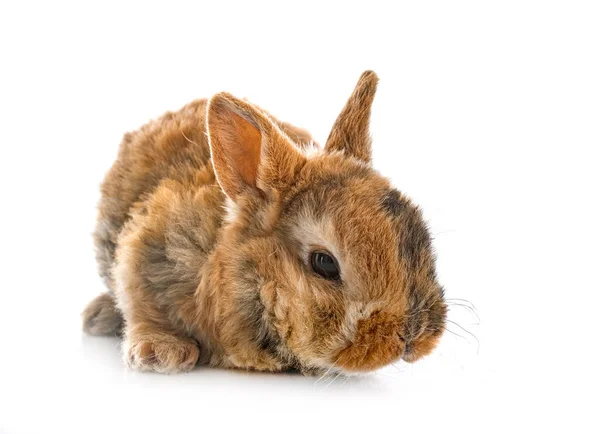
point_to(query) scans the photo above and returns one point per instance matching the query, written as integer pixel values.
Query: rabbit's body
(210, 221)
(159, 219)
(174, 148)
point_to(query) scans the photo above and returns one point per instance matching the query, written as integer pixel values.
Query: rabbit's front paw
(165, 354)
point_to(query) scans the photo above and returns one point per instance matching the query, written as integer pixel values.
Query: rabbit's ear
(249, 153)
(350, 132)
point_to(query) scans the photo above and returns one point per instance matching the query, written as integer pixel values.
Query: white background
(487, 115)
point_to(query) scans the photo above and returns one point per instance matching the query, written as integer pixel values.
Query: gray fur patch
(415, 241)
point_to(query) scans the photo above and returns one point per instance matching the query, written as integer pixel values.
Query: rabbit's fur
(206, 224)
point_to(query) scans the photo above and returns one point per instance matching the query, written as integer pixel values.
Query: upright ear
(350, 132)
(249, 153)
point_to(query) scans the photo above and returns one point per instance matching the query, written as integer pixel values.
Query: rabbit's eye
(324, 265)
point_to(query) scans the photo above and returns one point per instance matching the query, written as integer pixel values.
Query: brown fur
(205, 228)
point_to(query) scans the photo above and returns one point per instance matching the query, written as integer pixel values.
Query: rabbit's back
(173, 147)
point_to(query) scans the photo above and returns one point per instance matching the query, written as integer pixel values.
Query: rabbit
(227, 237)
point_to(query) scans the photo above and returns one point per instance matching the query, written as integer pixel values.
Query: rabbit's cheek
(376, 343)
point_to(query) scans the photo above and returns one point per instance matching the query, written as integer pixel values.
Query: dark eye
(324, 265)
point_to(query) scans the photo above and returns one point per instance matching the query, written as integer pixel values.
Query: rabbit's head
(329, 264)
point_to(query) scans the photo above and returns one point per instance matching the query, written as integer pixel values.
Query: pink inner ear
(237, 130)
(244, 153)
(236, 147)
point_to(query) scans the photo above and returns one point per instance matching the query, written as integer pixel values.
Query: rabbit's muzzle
(376, 343)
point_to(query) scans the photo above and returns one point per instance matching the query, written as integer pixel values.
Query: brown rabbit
(226, 237)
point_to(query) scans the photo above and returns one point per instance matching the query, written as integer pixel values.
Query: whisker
(324, 375)
(442, 232)
(463, 300)
(327, 372)
(346, 380)
(450, 331)
(416, 313)
(334, 378)
(457, 303)
(467, 308)
(397, 368)
(466, 331)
